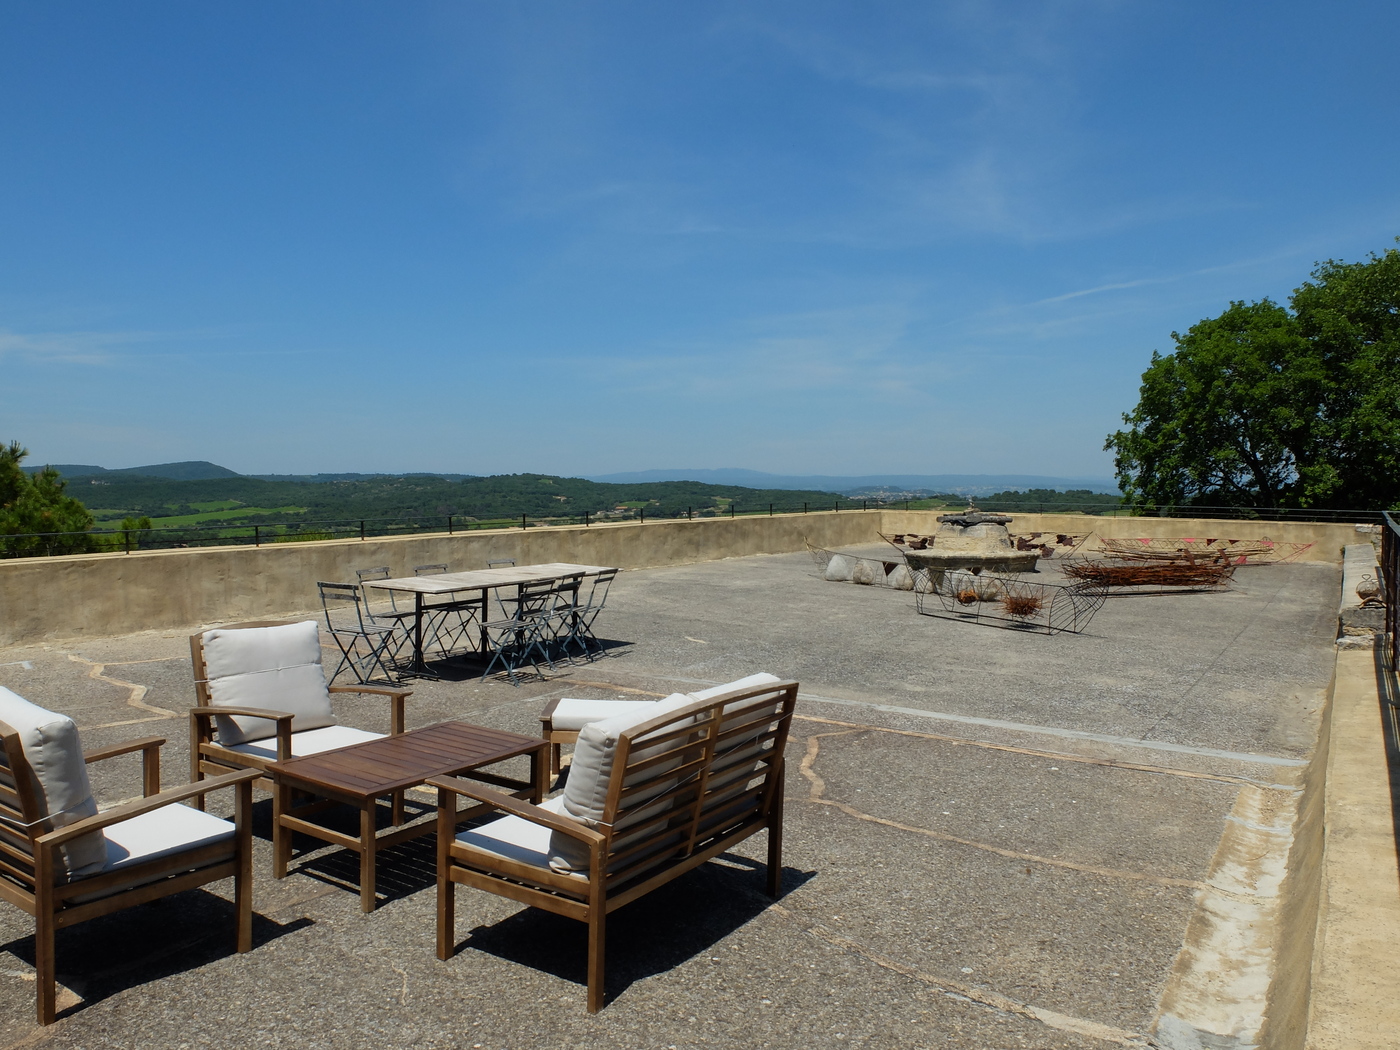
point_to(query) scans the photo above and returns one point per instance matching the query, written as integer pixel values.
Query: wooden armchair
(652, 793)
(64, 863)
(262, 698)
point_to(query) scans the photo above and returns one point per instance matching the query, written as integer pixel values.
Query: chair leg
(597, 920)
(46, 991)
(775, 857)
(243, 881)
(446, 888)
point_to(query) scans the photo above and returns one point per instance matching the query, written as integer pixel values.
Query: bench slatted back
(689, 777)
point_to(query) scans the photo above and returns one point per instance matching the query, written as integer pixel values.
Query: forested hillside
(113, 497)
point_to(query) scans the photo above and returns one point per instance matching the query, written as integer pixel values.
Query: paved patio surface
(994, 838)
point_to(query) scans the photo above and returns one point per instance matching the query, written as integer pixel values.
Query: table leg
(539, 771)
(367, 844)
(281, 837)
(418, 665)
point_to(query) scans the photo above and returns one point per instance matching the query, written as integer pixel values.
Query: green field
(230, 510)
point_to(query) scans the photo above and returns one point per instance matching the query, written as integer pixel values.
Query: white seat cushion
(278, 668)
(51, 747)
(312, 742)
(572, 715)
(170, 829)
(515, 838)
(160, 833)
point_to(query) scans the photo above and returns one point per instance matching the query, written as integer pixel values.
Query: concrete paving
(995, 839)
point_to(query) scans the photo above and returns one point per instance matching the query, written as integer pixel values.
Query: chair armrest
(516, 807)
(283, 719)
(150, 759)
(117, 814)
(247, 712)
(396, 697)
(547, 715)
(126, 747)
(383, 690)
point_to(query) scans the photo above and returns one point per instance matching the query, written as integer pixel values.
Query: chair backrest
(531, 601)
(669, 780)
(43, 787)
(378, 572)
(430, 570)
(599, 592)
(500, 561)
(266, 664)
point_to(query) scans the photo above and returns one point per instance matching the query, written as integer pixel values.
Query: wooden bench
(651, 794)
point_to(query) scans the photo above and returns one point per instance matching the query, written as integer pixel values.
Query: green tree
(36, 503)
(1263, 406)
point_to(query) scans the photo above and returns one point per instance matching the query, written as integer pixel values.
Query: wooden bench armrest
(547, 715)
(117, 814)
(126, 747)
(517, 807)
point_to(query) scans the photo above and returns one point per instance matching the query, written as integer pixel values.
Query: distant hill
(962, 484)
(191, 470)
(322, 479)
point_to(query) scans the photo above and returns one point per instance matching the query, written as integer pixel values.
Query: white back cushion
(586, 793)
(50, 743)
(278, 668)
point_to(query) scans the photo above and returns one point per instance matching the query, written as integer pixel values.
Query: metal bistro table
(482, 580)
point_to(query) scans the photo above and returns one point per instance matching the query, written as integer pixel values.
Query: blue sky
(582, 238)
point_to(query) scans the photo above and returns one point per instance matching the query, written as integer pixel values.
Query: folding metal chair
(520, 636)
(580, 624)
(448, 623)
(398, 620)
(363, 646)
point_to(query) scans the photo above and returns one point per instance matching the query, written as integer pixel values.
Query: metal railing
(1390, 584)
(260, 533)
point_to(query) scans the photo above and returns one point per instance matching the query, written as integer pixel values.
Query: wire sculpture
(1009, 602)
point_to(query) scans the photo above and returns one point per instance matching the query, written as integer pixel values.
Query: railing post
(257, 537)
(642, 515)
(688, 513)
(731, 511)
(362, 529)
(449, 524)
(770, 510)
(838, 506)
(585, 519)
(804, 506)
(523, 524)
(126, 539)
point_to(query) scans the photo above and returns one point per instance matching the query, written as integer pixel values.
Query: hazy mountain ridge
(962, 484)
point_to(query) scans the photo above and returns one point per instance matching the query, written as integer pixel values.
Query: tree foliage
(1275, 407)
(37, 503)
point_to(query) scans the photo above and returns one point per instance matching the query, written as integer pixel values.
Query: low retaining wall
(99, 595)
(48, 599)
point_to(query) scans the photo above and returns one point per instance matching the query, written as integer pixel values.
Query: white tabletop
(485, 579)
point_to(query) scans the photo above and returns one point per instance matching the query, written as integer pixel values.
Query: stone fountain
(974, 541)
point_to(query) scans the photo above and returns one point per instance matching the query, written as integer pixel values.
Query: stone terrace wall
(99, 595)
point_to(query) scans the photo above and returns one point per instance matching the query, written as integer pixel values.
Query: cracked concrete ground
(994, 839)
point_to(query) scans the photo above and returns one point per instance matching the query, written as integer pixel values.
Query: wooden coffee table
(362, 774)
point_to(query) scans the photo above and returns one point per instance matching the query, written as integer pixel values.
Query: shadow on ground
(115, 953)
(661, 931)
